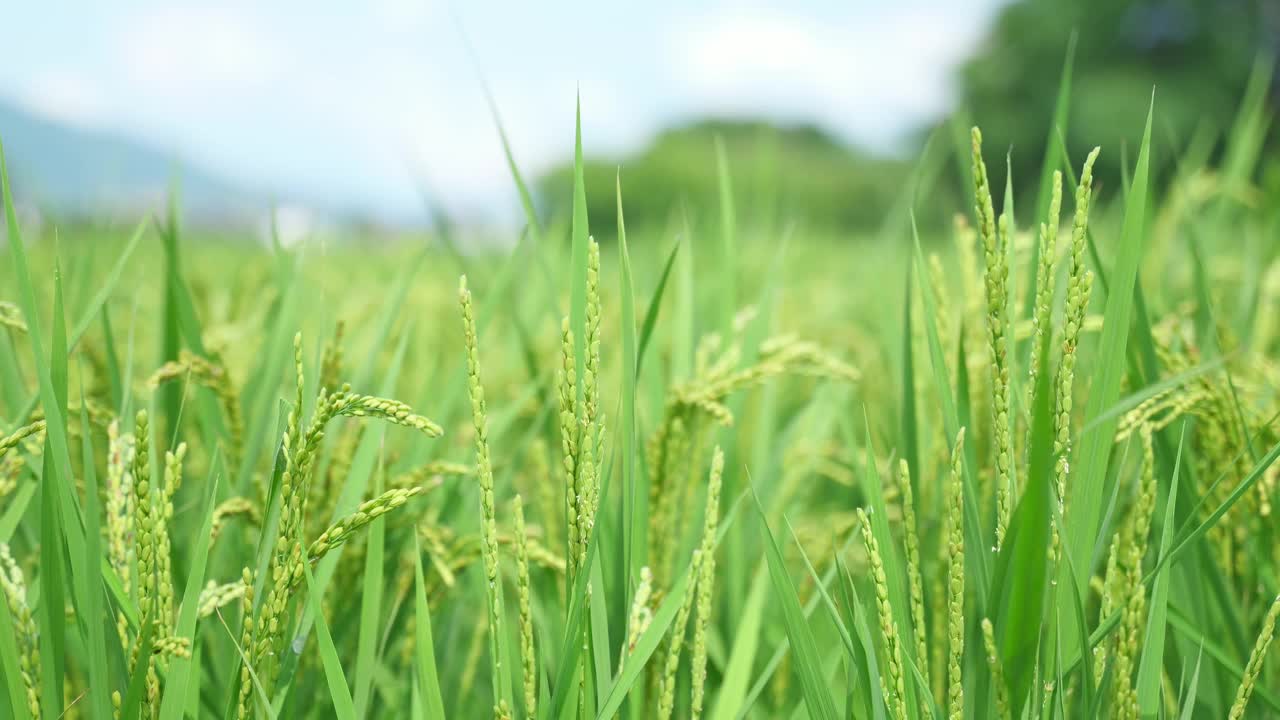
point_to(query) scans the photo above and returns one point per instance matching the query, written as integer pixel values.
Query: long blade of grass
(908, 432)
(746, 639)
(634, 496)
(808, 666)
(1151, 664)
(181, 669)
(975, 546)
(1086, 669)
(1225, 659)
(98, 301)
(131, 707)
(343, 706)
(1188, 703)
(1245, 485)
(655, 305)
(1021, 571)
(782, 650)
(728, 251)
(578, 255)
(646, 645)
(370, 605)
(424, 645)
(1090, 471)
(864, 656)
(95, 637)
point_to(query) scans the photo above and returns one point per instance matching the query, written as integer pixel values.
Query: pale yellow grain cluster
(995, 251)
(11, 317)
(955, 581)
(706, 581)
(528, 657)
(488, 511)
(915, 582)
(14, 586)
(1254, 666)
(1079, 287)
(894, 678)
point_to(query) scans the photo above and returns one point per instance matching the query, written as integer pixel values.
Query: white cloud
(403, 15)
(195, 54)
(871, 75)
(65, 95)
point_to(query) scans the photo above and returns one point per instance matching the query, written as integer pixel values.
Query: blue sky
(359, 102)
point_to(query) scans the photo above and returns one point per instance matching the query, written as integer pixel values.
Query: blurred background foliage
(1198, 55)
(798, 172)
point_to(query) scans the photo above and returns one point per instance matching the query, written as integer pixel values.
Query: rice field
(1020, 466)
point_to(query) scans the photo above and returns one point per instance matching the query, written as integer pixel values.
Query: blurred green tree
(1196, 54)
(778, 173)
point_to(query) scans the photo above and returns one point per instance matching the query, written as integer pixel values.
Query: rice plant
(632, 477)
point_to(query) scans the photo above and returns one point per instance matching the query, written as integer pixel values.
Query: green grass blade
(1021, 571)
(343, 706)
(522, 188)
(728, 240)
(782, 650)
(98, 301)
(52, 618)
(424, 648)
(975, 544)
(1082, 624)
(1193, 689)
(808, 664)
(865, 651)
(655, 306)
(112, 279)
(1152, 661)
(182, 670)
(1245, 485)
(908, 432)
(15, 510)
(827, 602)
(633, 671)
(1090, 470)
(578, 258)
(131, 706)
(1226, 660)
(746, 640)
(634, 496)
(370, 606)
(97, 658)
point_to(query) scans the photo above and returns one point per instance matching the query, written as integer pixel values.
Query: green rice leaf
(1090, 470)
(808, 663)
(655, 305)
(424, 645)
(97, 659)
(182, 670)
(131, 707)
(343, 707)
(975, 544)
(728, 241)
(370, 604)
(1021, 571)
(1152, 661)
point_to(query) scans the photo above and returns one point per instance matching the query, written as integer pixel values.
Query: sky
(364, 104)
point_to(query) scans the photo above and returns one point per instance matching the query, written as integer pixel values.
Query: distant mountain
(72, 171)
